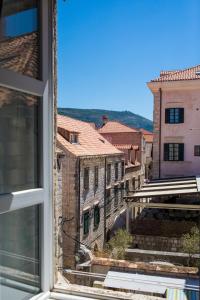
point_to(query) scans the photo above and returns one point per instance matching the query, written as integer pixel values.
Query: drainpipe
(160, 133)
(105, 178)
(78, 205)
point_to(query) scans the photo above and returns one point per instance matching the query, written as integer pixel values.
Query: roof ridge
(77, 120)
(125, 125)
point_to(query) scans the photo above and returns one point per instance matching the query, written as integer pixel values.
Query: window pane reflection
(19, 254)
(18, 141)
(19, 39)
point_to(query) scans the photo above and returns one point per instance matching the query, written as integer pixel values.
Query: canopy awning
(168, 187)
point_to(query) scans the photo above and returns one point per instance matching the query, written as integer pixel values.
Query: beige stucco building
(176, 145)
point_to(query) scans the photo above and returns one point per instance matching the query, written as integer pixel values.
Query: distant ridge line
(95, 116)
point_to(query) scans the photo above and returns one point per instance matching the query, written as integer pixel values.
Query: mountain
(95, 116)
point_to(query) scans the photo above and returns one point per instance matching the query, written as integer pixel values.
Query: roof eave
(187, 84)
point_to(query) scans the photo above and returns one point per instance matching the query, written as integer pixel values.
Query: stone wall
(115, 210)
(91, 197)
(69, 218)
(159, 243)
(148, 256)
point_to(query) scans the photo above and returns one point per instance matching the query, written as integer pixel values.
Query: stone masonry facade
(76, 201)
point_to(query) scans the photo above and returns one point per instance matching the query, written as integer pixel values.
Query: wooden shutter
(181, 115)
(167, 112)
(181, 151)
(166, 151)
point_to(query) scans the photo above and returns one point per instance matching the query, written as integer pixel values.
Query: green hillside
(95, 116)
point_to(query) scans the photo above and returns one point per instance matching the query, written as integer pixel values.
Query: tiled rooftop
(114, 126)
(126, 146)
(90, 141)
(185, 74)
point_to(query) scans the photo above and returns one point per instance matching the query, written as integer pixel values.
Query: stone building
(131, 142)
(148, 138)
(91, 181)
(176, 145)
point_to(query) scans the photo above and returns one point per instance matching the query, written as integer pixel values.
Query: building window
(173, 152)
(127, 187)
(133, 183)
(74, 138)
(96, 216)
(197, 150)
(116, 171)
(174, 115)
(86, 222)
(96, 177)
(122, 169)
(116, 196)
(108, 202)
(108, 174)
(86, 179)
(122, 192)
(26, 152)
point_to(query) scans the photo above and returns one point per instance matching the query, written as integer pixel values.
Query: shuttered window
(108, 174)
(116, 171)
(96, 216)
(197, 150)
(96, 177)
(86, 179)
(86, 222)
(174, 152)
(174, 115)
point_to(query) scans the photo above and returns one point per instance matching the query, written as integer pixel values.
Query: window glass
(197, 150)
(174, 152)
(18, 141)
(19, 40)
(19, 254)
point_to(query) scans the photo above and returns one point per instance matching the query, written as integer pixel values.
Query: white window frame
(43, 196)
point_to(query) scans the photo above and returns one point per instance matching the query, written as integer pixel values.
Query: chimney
(104, 119)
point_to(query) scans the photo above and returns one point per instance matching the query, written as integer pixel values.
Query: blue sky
(109, 49)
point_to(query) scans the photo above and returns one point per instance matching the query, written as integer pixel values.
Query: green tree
(118, 244)
(191, 243)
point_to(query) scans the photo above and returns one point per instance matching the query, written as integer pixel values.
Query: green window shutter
(181, 152)
(96, 216)
(181, 115)
(167, 112)
(86, 223)
(166, 151)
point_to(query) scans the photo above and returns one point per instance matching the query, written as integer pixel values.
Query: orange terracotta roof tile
(114, 126)
(90, 142)
(126, 146)
(192, 73)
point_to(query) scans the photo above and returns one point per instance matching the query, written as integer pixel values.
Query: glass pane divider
(22, 83)
(21, 199)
